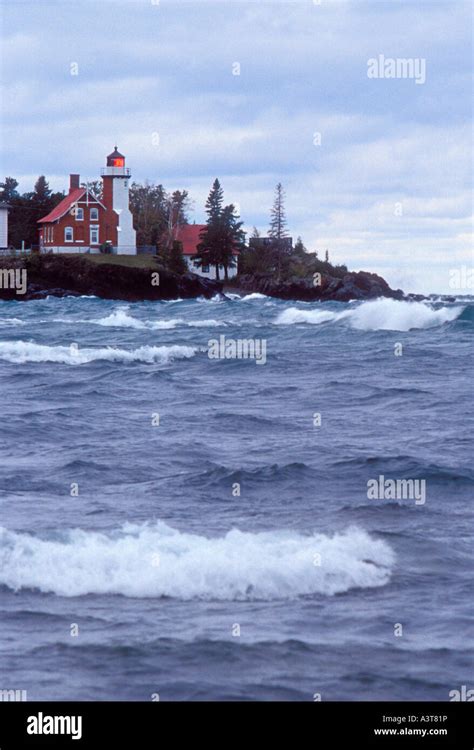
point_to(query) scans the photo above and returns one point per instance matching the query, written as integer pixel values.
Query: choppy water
(157, 560)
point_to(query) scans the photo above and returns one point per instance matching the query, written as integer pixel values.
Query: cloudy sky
(377, 170)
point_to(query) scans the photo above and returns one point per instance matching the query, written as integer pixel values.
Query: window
(51, 233)
(205, 269)
(79, 213)
(94, 214)
(68, 234)
(94, 235)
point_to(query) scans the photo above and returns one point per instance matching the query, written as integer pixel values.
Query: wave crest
(21, 352)
(376, 315)
(157, 560)
(121, 319)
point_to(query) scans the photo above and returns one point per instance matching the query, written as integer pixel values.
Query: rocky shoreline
(73, 276)
(351, 286)
(63, 276)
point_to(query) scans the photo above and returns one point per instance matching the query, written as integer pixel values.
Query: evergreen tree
(214, 203)
(299, 248)
(176, 262)
(278, 227)
(277, 214)
(233, 238)
(326, 257)
(209, 249)
(8, 190)
(33, 207)
(41, 194)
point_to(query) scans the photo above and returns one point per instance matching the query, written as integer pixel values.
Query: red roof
(63, 206)
(188, 234)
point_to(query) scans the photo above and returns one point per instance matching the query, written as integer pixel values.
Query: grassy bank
(129, 261)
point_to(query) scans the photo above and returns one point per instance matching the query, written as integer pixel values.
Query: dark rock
(61, 276)
(360, 285)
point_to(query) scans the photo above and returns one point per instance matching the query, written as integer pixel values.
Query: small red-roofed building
(189, 236)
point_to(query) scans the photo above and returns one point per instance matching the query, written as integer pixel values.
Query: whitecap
(157, 560)
(254, 295)
(376, 315)
(20, 352)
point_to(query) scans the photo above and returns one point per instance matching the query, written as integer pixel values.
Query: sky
(378, 170)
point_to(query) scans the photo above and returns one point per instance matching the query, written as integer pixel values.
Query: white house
(188, 235)
(4, 225)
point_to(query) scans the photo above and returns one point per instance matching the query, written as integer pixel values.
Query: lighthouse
(115, 179)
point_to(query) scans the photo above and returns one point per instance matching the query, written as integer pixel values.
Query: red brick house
(81, 222)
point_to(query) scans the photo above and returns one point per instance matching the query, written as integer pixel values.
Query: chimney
(73, 182)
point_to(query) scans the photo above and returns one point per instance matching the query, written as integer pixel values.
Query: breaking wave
(254, 295)
(20, 352)
(121, 319)
(159, 561)
(314, 317)
(376, 315)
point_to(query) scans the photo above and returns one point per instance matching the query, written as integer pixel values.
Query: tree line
(158, 215)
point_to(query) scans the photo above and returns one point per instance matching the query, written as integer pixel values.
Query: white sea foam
(395, 315)
(121, 319)
(376, 315)
(210, 300)
(11, 322)
(233, 296)
(314, 317)
(157, 560)
(254, 295)
(21, 352)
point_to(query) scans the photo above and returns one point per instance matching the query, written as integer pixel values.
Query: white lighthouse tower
(116, 178)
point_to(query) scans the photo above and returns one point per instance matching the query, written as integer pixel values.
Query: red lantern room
(115, 159)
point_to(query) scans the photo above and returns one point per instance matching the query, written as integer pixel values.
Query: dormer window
(94, 215)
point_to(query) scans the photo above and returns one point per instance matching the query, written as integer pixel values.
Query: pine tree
(42, 193)
(214, 203)
(277, 214)
(36, 205)
(299, 248)
(209, 249)
(326, 257)
(176, 262)
(278, 226)
(232, 238)
(8, 190)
